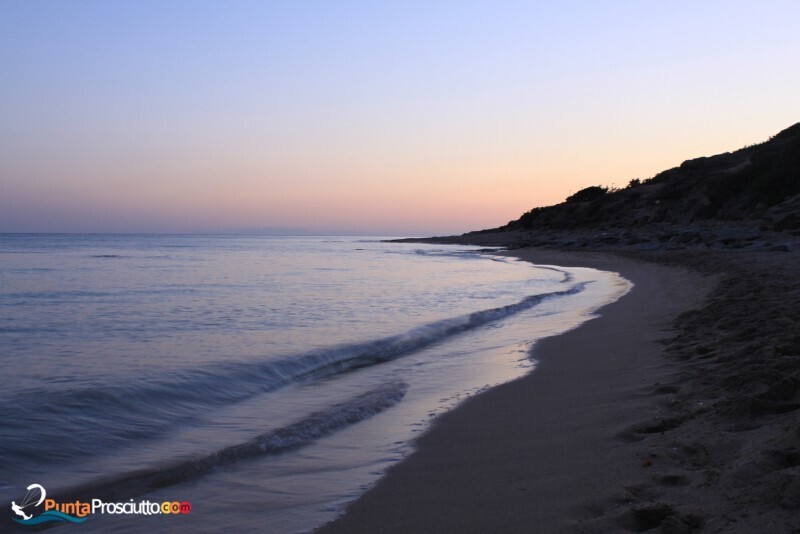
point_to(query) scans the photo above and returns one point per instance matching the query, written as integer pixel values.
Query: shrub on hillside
(590, 193)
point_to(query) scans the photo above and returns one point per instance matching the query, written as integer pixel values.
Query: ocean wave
(291, 437)
(83, 420)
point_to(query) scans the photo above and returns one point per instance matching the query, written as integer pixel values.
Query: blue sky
(404, 117)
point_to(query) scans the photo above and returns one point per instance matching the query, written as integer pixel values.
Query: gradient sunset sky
(397, 118)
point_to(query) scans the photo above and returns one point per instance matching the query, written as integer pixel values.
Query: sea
(200, 383)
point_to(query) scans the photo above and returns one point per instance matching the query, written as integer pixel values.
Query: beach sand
(673, 411)
(531, 455)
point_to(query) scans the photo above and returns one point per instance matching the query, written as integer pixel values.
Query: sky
(394, 118)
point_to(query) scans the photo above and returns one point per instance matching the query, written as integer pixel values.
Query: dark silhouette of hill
(729, 198)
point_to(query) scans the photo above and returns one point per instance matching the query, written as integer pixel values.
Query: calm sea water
(267, 381)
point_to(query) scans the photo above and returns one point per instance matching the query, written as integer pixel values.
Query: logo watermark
(36, 508)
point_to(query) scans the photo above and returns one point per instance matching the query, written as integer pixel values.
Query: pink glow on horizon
(336, 119)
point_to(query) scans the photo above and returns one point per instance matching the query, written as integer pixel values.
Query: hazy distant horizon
(262, 231)
(245, 232)
(410, 118)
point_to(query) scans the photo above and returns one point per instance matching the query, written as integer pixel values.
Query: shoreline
(535, 454)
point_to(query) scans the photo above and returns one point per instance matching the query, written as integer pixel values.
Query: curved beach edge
(552, 450)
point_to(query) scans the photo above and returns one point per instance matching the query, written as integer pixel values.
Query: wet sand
(550, 452)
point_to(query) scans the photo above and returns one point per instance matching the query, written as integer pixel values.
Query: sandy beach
(669, 412)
